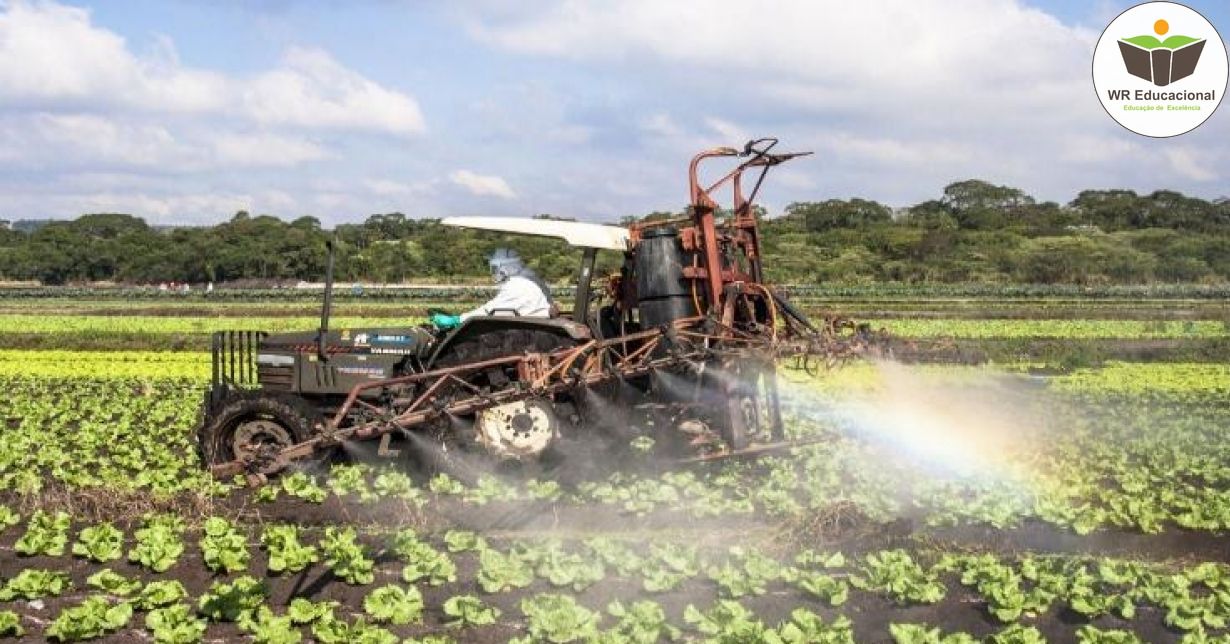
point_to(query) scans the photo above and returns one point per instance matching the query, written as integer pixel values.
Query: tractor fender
(481, 325)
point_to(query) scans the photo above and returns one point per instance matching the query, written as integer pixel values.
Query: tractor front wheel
(255, 428)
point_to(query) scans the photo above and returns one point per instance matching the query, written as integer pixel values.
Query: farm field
(940, 503)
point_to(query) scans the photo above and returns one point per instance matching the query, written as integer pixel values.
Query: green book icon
(1161, 62)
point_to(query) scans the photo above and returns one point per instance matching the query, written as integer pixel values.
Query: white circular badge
(1160, 69)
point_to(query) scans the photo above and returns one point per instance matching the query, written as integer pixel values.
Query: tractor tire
(246, 422)
(457, 450)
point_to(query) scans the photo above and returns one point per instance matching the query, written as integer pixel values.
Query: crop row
(1080, 459)
(403, 567)
(1193, 291)
(125, 325)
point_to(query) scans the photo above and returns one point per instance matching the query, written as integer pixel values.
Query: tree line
(975, 232)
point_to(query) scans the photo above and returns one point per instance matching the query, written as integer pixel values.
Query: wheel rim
(259, 438)
(517, 430)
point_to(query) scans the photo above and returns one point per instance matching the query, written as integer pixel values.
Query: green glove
(445, 321)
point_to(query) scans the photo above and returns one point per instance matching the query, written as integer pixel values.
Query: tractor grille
(234, 357)
(278, 378)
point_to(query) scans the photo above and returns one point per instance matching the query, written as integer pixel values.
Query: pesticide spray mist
(923, 426)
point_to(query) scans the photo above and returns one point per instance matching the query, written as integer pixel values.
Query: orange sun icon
(1161, 27)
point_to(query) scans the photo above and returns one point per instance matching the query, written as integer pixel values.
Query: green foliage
(1017, 634)
(161, 593)
(286, 552)
(641, 622)
(224, 548)
(727, 622)
(920, 634)
(463, 540)
(827, 588)
(1089, 634)
(444, 484)
(10, 624)
(807, 627)
(669, 565)
(394, 604)
(46, 534)
(175, 624)
(267, 627)
(102, 543)
(159, 543)
(558, 618)
(896, 574)
(303, 486)
(8, 517)
(567, 569)
(499, 572)
(345, 557)
(748, 574)
(113, 583)
(306, 611)
(468, 610)
(423, 562)
(93, 617)
(330, 630)
(35, 583)
(234, 601)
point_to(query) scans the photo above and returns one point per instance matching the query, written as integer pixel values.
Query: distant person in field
(521, 293)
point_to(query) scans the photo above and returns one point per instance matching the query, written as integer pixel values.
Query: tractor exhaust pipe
(327, 308)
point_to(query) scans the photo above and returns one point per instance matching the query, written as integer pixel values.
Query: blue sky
(184, 111)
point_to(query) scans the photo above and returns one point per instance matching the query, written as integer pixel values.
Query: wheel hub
(260, 437)
(517, 430)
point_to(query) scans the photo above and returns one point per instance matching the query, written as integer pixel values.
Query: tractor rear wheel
(255, 426)
(522, 430)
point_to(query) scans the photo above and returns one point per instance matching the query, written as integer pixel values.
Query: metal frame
(744, 322)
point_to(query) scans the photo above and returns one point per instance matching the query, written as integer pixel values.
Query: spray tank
(664, 294)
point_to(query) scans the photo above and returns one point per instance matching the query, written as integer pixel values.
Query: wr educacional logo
(1161, 62)
(1178, 55)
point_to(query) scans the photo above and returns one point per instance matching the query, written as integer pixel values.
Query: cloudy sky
(184, 111)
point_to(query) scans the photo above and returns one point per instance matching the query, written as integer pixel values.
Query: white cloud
(726, 130)
(50, 140)
(482, 185)
(52, 56)
(920, 92)
(264, 149)
(92, 122)
(394, 188)
(311, 89)
(1188, 162)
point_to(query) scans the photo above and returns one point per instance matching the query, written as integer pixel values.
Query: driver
(521, 292)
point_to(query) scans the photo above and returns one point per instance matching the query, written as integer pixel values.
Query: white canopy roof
(576, 233)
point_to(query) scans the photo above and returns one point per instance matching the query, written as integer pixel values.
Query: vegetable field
(940, 503)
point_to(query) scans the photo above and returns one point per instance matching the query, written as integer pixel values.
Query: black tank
(664, 295)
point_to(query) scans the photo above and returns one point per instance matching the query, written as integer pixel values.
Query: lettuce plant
(232, 602)
(223, 547)
(101, 543)
(92, 618)
(286, 553)
(394, 604)
(345, 557)
(468, 610)
(46, 534)
(175, 624)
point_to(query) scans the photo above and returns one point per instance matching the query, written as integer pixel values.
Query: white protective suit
(518, 294)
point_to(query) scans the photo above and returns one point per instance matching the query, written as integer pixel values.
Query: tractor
(681, 346)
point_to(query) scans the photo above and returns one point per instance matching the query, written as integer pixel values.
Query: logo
(1160, 45)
